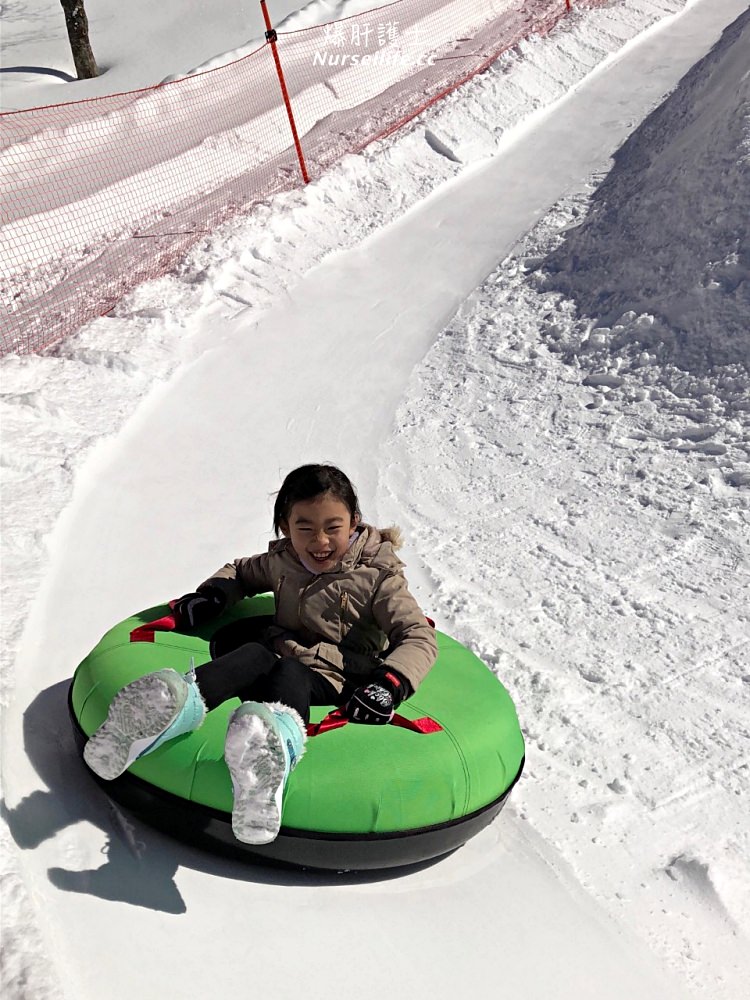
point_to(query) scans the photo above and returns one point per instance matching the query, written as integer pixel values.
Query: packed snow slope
(687, 278)
(585, 531)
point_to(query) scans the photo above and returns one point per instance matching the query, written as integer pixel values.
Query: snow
(159, 41)
(459, 317)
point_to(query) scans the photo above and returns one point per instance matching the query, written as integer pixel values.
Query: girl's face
(319, 530)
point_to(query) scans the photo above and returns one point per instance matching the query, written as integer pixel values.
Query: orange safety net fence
(99, 195)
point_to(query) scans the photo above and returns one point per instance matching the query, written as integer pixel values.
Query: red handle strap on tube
(145, 633)
(336, 719)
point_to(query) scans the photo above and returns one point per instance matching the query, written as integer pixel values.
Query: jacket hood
(392, 534)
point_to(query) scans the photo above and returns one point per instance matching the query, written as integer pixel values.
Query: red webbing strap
(145, 633)
(424, 725)
(336, 719)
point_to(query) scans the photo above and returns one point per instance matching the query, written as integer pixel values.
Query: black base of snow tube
(211, 829)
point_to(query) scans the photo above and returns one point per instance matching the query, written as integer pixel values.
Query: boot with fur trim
(263, 745)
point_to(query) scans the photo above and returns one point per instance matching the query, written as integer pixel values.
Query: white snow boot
(263, 745)
(143, 716)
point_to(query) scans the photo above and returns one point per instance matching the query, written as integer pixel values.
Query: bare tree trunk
(78, 33)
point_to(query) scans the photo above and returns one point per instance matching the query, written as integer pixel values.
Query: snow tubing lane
(362, 797)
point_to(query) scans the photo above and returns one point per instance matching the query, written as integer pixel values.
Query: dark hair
(308, 482)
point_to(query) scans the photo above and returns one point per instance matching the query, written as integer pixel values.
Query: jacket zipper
(277, 594)
(302, 597)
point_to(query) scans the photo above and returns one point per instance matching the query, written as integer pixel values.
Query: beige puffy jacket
(356, 617)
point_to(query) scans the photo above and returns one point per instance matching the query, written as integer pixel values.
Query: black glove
(194, 610)
(375, 703)
(371, 704)
(399, 687)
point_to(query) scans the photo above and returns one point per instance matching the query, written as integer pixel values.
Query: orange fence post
(271, 39)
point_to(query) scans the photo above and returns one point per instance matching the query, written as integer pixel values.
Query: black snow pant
(252, 672)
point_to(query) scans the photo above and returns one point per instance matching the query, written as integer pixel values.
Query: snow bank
(658, 272)
(666, 235)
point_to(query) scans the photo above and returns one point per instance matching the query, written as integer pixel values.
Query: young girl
(346, 630)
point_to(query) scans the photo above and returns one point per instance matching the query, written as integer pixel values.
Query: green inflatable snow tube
(361, 797)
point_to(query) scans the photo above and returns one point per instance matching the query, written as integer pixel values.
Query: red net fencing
(102, 194)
